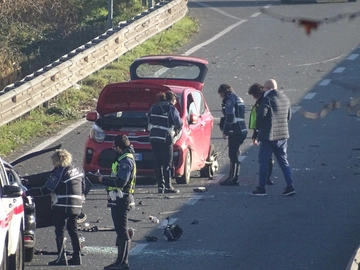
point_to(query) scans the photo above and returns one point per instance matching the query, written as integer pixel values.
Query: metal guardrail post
(110, 13)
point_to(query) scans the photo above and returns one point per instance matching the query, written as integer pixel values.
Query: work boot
(61, 259)
(122, 261)
(235, 180)
(231, 173)
(160, 189)
(171, 190)
(76, 259)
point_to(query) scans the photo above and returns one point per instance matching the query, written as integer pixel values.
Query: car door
(196, 128)
(206, 123)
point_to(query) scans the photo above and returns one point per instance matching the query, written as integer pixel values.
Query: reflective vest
(252, 120)
(130, 185)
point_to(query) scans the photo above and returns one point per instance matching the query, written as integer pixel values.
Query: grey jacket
(273, 116)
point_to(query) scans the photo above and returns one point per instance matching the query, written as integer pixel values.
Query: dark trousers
(279, 148)
(63, 220)
(163, 159)
(119, 214)
(234, 142)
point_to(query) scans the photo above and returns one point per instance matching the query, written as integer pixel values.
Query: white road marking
(255, 14)
(294, 109)
(193, 200)
(60, 135)
(339, 70)
(217, 36)
(309, 96)
(325, 82)
(352, 56)
(218, 10)
(137, 249)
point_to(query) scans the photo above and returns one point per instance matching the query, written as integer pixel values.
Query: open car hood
(128, 96)
(170, 70)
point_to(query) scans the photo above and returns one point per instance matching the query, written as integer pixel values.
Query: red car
(122, 109)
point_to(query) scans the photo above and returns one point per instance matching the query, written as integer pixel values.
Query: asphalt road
(318, 228)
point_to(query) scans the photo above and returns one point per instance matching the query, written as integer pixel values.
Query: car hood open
(128, 96)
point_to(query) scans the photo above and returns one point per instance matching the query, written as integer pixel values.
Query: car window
(172, 70)
(199, 101)
(190, 106)
(3, 176)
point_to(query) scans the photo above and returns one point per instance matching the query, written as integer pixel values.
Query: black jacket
(65, 185)
(165, 122)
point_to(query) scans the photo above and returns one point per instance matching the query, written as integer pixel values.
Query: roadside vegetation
(75, 102)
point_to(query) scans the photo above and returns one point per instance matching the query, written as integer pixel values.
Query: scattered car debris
(154, 219)
(151, 238)
(195, 222)
(200, 189)
(172, 232)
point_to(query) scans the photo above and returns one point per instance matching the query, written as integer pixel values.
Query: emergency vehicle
(11, 224)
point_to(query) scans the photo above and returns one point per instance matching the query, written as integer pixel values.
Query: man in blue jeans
(272, 119)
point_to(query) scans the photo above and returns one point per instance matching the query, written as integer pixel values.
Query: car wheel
(4, 263)
(185, 178)
(212, 164)
(16, 261)
(29, 254)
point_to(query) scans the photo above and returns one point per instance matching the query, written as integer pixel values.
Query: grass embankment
(72, 105)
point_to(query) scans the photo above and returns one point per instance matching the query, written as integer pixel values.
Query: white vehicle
(11, 224)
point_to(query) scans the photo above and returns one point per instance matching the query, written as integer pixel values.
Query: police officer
(120, 187)
(165, 128)
(233, 128)
(65, 185)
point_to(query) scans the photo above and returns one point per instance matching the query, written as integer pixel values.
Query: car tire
(185, 178)
(4, 263)
(16, 261)
(212, 164)
(29, 254)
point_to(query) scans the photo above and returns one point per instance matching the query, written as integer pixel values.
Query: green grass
(74, 103)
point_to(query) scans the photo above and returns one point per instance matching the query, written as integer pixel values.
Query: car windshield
(170, 70)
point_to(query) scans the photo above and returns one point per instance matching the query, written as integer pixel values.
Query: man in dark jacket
(165, 126)
(272, 119)
(65, 185)
(233, 128)
(120, 187)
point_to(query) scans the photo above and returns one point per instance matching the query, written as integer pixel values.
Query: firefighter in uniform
(165, 126)
(120, 188)
(64, 185)
(233, 128)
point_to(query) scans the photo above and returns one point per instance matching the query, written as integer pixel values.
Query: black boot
(231, 175)
(61, 259)
(235, 180)
(75, 259)
(122, 260)
(167, 178)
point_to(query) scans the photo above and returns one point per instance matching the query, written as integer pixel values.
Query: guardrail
(35, 89)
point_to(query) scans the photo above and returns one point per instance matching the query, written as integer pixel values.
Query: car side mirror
(193, 118)
(92, 116)
(11, 191)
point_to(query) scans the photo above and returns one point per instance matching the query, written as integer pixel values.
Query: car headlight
(97, 134)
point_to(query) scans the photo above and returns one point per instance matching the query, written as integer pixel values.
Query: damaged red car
(122, 109)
